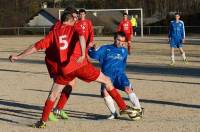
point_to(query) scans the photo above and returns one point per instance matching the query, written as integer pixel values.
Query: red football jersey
(125, 26)
(85, 28)
(59, 45)
(57, 24)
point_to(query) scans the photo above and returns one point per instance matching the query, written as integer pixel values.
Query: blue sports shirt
(177, 29)
(112, 59)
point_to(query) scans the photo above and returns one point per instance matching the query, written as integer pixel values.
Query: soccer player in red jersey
(84, 27)
(126, 27)
(70, 65)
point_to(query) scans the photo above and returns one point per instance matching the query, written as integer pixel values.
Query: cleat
(61, 114)
(113, 116)
(52, 117)
(172, 63)
(185, 61)
(39, 124)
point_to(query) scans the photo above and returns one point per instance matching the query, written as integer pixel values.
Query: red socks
(64, 97)
(47, 109)
(118, 99)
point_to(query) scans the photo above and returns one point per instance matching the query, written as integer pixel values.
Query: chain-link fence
(98, 30)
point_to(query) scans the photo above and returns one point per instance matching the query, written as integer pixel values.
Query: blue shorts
(119, 81)
(176, 43)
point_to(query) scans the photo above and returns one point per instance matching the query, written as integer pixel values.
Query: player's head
(67, 17)
(177, 16)
(82, 13)
(120, 39)
(73, 11)
(125, 15)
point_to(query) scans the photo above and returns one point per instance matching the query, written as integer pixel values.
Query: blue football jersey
(112, 59)
(177, 30)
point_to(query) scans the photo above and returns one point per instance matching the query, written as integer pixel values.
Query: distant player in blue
(113, 63)
(177, 37)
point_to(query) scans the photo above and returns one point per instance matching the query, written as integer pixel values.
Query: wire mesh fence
(98, 30)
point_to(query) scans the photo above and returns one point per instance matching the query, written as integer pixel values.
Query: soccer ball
(135, 115)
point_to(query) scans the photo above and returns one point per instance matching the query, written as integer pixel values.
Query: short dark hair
(82, 10)
(71, 10)
(120, 33)
(66, 16)
(177, 14)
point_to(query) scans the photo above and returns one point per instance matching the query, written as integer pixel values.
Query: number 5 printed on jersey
(63, 42)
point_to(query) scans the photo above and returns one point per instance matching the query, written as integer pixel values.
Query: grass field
(170, 95)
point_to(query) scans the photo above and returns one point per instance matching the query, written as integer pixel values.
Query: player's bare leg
(172, 57)
(58, 112)
(183, 54)
(54, 93)
(114, 94)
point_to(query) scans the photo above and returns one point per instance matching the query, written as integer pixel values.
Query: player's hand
(80, 59)
(92, 45)
(13, 58)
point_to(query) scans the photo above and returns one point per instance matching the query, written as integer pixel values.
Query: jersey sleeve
(119, 28)
(91, 32)
(183, 30)
(45, 42)
(170, 30)
(96, 54)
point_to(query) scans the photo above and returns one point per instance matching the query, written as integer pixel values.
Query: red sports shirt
(59, 45)
(85, 28)
(125, 26)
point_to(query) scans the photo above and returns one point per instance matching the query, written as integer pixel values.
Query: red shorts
(128, 37)
(52, 67)
(86, 73)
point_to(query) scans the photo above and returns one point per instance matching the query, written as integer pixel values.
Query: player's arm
(119, 27)
(42, 44)
(170, 31)
(30, 50)
(91, 32)
(83, 48)
(183, 31)
(96, 54)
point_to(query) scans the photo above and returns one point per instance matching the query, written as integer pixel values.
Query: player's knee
(128, 90)
(53, 96)
(108, 82)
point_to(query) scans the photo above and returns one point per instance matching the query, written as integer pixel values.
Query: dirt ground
(170, 95)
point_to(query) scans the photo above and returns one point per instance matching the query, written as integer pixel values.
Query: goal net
(105, 21)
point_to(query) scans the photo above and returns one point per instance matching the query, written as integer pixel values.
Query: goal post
(110, 18)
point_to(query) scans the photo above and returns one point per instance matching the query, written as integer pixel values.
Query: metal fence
(98, 30)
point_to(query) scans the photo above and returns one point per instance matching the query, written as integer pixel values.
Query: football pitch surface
(170, 95)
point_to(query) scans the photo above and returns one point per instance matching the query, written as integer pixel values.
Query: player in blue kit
(177, 37)
(113, 64)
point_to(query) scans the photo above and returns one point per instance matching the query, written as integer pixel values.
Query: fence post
(149, 30)
(44, 31)
(18, 31)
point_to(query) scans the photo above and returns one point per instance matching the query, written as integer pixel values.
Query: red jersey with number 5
(60, 42)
